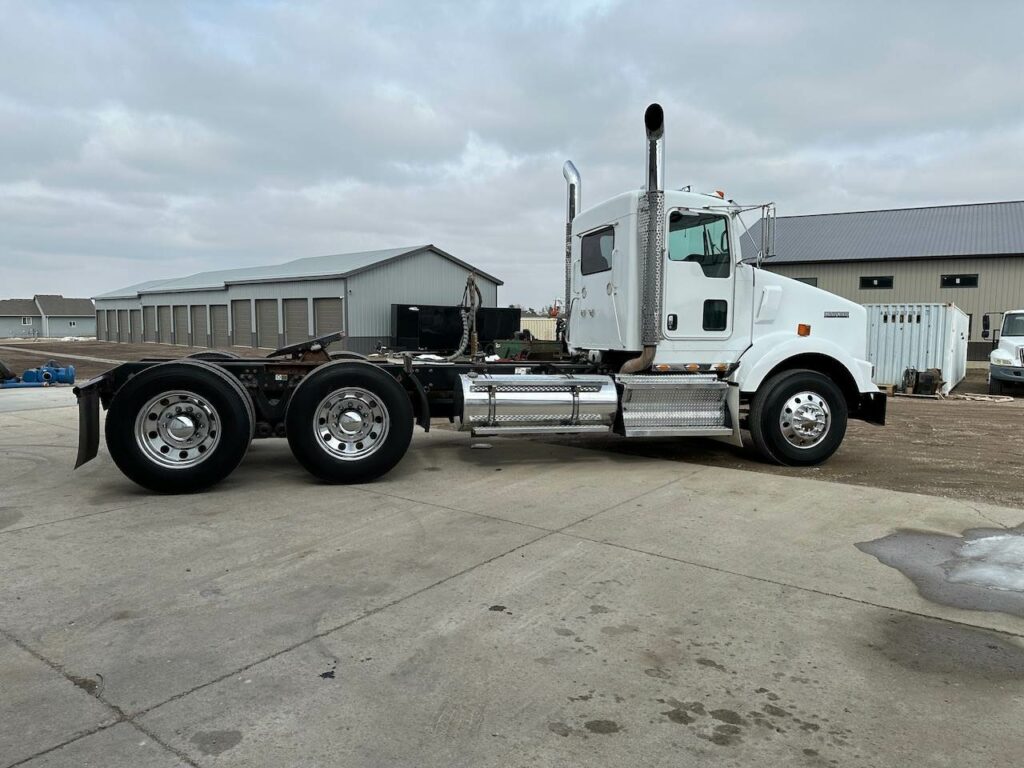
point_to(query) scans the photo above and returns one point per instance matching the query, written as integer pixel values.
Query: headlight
(1000, 358)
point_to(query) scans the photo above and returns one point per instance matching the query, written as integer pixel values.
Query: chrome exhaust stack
(572, 207)
(651, 225)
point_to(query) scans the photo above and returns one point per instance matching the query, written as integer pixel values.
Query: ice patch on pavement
(996, 562)
(982, 570)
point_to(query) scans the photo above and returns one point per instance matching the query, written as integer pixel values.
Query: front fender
(769, 351)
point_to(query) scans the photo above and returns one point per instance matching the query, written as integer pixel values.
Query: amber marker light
(803, 329)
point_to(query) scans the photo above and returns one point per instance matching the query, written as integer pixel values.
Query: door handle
(672, 322)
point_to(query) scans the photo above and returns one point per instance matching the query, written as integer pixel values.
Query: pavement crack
(335, 628)
(63, 520)
(985, 517)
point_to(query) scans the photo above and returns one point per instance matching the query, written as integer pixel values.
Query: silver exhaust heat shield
(537, 404)
(651, 226)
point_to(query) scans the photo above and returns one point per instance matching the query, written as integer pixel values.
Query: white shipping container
(920, 336)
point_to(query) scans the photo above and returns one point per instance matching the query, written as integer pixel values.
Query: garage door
(241, 323)
(266, 323)
(199, 326)
(111, 325)
(149, 323)
(135, 316)
(296, 321)
(163, 316)
(181, 325)
(219, 326)
(327, 316)
(101, 324)
(122, 325)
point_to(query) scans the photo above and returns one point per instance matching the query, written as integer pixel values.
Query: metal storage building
(969, 255)
(270, 306)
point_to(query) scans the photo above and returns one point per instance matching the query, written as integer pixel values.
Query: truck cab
(1006, 361)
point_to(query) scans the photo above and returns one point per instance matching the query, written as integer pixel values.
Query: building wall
(54, 327)
(425, 278)
(11, 328)
(328, 288)
(58, 326)
(1000, 285)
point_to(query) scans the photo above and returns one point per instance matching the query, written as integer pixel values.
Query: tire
(349, 422)
(203, 446)
(798, 443)
(995, 387)
(213, 355)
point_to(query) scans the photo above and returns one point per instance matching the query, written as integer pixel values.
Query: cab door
(595, 321)
(699, 276)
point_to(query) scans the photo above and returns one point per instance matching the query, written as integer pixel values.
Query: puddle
(981, 571)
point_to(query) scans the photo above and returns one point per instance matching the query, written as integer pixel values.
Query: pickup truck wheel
(798, 418)
(995, 387)
(349, 422)
(178, 427)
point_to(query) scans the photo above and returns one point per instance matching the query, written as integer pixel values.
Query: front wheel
(995, 387)
(798, 418)
(349, 422)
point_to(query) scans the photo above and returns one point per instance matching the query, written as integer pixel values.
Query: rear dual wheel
(349, 422)
(179, 427)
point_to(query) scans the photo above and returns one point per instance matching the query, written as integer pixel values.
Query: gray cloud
(151, 140)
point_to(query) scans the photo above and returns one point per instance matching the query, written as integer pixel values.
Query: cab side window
(702, 238)
(596, 251)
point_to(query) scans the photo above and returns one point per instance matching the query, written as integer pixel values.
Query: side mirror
(985, 323)
(984, 334)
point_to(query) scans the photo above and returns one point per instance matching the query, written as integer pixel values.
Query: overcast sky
(147, 140)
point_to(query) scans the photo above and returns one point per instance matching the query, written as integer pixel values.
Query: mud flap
(872, 408)
(88, 421)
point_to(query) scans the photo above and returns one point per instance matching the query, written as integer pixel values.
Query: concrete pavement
(527, 604)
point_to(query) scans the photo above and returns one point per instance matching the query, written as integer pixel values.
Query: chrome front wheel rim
(177, 429)
(351, 424)
(805, 420)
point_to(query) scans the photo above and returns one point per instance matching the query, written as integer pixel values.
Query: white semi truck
(1006, 361)
(668, 330)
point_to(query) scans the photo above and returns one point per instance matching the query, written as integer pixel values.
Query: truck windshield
(701, 238)
(1013, 325)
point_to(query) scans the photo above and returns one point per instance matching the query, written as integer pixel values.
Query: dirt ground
(953, 448)
(959, 449)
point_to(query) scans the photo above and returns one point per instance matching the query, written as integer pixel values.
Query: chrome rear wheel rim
(177, 429)
(351, 424)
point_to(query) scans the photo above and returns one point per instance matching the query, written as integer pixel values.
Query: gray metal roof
(58, 306)
(18, 308)
(946, 231)
(336, 265)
